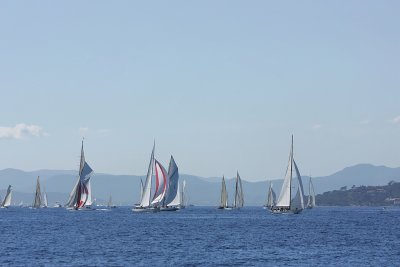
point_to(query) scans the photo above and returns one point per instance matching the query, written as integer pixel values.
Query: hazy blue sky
(221, 85)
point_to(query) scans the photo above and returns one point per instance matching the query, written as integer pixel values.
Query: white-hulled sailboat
(172, 200)
(80, 197)
(224, 196)
(271, 198)
(311, 195)
(147, 203)
(37, 202)
(285, 203)
(7, 199)
(238, 201)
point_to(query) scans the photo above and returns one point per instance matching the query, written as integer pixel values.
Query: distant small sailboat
(183, 199)
(287, 204)
(45, 203)
(224, 196)
(7, 199)
(172, 200)
(311, 195)
(80, 197)
(37, 202)
(57, 205)
(238, 201)
(271, 198)
(148, 203)
(109, 203)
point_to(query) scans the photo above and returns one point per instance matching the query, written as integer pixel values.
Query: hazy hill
(201, 191)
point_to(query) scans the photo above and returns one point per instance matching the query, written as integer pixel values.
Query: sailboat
(287, 204)
(183, 198)
(80, 197)
(45, 203)
(238, 201)
(7, 199)
(271, 198)
(311, 195)
(109, 203)
(148, 203)
(224, 196)
(37, 202)
(172, 200)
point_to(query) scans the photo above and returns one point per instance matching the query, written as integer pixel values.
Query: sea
(200, 236)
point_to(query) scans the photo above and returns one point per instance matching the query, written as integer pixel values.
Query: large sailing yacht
(238, 201)
(148, 203)
(80, 197)
(172, 200)
(224, 196)
(286, 203)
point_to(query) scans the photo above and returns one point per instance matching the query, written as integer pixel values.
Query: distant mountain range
(201, 191)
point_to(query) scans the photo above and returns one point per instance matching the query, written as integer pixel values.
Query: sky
(220, 85)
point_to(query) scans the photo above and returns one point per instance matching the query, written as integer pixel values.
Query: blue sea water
(200, 236)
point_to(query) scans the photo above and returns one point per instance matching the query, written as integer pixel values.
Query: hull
(285, 211)
(141, 209)
(225, 208)
(169, 209)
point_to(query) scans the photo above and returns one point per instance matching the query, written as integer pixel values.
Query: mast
(236, 191)
(291, 174)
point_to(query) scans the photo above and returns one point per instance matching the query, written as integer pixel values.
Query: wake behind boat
(287, 204)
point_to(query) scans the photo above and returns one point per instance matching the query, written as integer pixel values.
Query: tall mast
(236, 190)
(291, 173)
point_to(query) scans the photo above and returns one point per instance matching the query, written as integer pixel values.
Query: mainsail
(37, 203)
(285, 200)
(7, 199)
(81, 194)
(172, 197)
(224, 195)
(238, 201)
(161, 183)
(146, 196)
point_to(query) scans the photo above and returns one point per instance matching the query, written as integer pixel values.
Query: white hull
(141, 209)
(227, 208)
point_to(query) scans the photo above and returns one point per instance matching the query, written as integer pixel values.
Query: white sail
(311, 195)
(45, 203)
(37, 203)
(146, 195)
(7, 199)
(184, 199)
(285, 195)
(72, 195)
(161, 186)
(238, 201)
(89, 200)
(173, 195)
(224, 194)
(271, 197)
(300, 187)
(141, 190)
